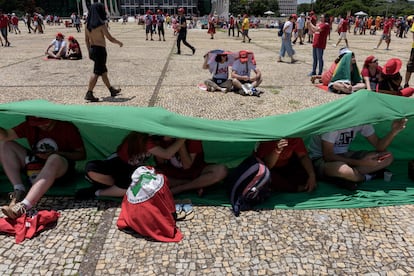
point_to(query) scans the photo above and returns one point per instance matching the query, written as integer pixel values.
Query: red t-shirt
(320, 38)
(4, 20)
(344, 26)
(295, 146)
(138, 159)
(64, 136)
(387, 27)
(15, 20)
(174, 168)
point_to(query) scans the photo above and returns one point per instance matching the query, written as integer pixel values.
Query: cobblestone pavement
(370, 241)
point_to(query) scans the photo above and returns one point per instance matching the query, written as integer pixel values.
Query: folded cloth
(26, 227)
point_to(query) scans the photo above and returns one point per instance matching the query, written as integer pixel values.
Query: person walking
(95, 34)
(286, 41)
(182, 33)
(4, 22)
(245, 28)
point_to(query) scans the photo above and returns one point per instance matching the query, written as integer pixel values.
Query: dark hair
(218, 58)
(137, 143)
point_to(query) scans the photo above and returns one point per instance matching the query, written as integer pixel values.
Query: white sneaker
(334, 45)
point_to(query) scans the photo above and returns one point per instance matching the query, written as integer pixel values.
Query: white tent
(361, 13)
(269, 13)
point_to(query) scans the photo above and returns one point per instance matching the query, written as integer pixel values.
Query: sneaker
(15, 211)
(114, 92)
(193, 50)
(250, 40)
(406, 85)
(16, 196)
(90, 97)
(378, 174)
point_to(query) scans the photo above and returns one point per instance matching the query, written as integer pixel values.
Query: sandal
(184, 209)
(188, 210)
(180, 214)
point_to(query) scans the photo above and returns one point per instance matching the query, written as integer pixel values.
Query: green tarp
(228, 142)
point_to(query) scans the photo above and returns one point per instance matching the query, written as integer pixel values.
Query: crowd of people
(55, 146)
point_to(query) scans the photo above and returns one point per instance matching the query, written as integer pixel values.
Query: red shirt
(15, 20)
(64, 135)
(138, 159)
(320, 38)
(295, 146)
(387, 26)
(4, 20)
(344, 26)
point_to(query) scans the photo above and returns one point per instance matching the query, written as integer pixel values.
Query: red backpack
(148, 207)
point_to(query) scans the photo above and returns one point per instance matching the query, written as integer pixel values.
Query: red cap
(71, 38)
(243, 56)
(60, 35)
(181, 10)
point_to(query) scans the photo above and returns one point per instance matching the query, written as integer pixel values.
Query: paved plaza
(86, 241)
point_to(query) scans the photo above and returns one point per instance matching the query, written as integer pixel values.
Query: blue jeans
(317, 59)
(287, 46)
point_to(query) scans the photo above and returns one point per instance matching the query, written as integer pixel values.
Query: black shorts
(115, 167)
(98, 55)
(410, 64)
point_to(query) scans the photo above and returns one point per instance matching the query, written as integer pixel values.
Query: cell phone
(384, 156)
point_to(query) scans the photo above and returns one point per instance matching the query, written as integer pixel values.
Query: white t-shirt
(219, 72)
(288, 27)
(340, 138)
(243, 69)
(58, 44)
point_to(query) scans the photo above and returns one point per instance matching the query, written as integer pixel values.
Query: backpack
(249, 184)
(280, 32)
(148, 207)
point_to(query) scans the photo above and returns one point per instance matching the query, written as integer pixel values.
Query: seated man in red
(289, 164)
(187, 170)
(55, 146)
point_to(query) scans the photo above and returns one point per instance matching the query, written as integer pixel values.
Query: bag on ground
(148, 207)
(249, 184)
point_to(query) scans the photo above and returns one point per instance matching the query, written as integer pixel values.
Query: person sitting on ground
(241, 73)
(55, 146)
(390, 79)
(326, 76)
(289, 164)
(57, 48)
(112, 176)
(346, 78)
(74, 50)
(218, 62)
(187, 170)
(334, 162)
(371, 73)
